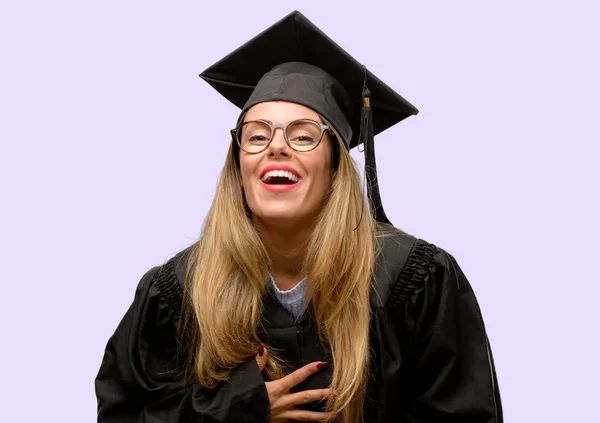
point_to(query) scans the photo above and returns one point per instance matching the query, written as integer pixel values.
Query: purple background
(111, 146)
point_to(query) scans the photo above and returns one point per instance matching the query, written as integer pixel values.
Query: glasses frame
(238, 129)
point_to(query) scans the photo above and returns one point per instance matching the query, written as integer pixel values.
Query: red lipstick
(292, 180)
(280, 167)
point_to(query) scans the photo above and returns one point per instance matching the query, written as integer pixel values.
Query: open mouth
(279, 177)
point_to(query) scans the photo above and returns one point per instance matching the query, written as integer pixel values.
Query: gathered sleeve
(451, 376)
(139, 380)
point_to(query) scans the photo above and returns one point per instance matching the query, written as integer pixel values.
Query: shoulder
(405, 263)
(164, 283)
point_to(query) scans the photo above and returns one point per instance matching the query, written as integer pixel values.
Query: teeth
(279, 174)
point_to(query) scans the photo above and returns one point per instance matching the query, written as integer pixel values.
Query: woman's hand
(283, 402)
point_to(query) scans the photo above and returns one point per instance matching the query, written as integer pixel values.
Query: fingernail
(261, 350)
(321, 365)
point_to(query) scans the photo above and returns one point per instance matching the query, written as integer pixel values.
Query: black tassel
(367, 137)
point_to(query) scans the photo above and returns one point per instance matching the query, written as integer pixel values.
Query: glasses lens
(254, 136)
(304, 135)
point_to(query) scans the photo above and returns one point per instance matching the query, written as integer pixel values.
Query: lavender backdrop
(111, 146)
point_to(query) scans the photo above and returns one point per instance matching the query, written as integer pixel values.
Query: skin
(283, 403)
(284, 220)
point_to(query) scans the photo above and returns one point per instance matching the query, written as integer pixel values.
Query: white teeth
(279, 174)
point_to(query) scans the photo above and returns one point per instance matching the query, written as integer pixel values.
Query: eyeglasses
(302, 135)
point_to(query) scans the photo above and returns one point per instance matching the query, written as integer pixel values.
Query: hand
(283, 402)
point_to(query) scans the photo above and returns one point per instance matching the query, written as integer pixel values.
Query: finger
(305, 397)
(261, 357)
(301, 374)
(305, 415)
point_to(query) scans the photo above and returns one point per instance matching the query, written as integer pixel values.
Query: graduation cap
(295, 61)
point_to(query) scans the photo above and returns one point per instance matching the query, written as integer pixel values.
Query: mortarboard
(293, 60)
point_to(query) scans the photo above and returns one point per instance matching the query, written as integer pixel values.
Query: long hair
(227, 278)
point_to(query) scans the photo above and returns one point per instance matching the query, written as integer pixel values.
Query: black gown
(431, 358)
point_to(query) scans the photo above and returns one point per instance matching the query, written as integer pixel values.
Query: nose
(278, 144)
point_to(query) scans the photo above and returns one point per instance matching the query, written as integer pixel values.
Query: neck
(286, 245)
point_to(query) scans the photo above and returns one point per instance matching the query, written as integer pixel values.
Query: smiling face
(281, 185)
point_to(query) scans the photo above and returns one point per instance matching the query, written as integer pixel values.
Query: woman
(300, 302)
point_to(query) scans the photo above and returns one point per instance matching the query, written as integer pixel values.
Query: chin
(279, 215)
(287, 216)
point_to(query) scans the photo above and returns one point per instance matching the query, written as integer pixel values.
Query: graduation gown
(431, 359)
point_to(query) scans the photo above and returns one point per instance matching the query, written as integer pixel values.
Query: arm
(139, 382)
(452, 376)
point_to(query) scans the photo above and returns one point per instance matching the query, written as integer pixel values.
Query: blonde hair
(228, 273)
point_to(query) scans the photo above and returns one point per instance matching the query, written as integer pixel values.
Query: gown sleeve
(139, 382)
(452, 376)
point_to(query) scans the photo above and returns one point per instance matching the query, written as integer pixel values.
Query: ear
(235, 153)
(335, 153)
(335, 140)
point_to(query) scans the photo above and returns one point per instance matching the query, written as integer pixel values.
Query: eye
(256, 133)
(302, 139)
(257, 138)
(303, 132)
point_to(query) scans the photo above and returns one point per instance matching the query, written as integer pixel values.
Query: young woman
(300, 302)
